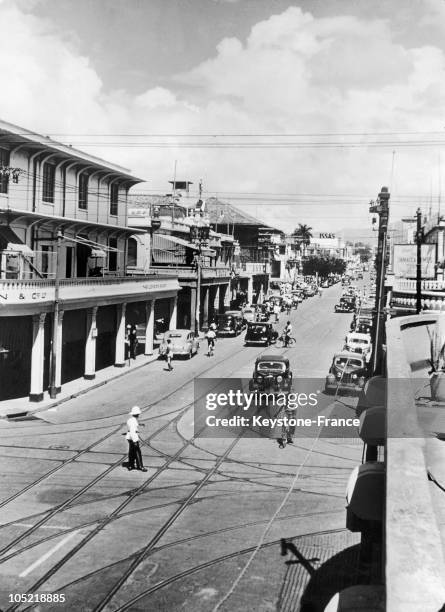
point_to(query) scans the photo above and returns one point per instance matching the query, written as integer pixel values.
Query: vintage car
(183, 341)
(345, 306)
(358, 343)
(249, 314)
(271, 373)
(363, 325)
(231, 323)
(348, 372)
(297, 295)
(310, 291)
(260, 333)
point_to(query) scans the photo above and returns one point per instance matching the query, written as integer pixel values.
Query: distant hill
(359, 234)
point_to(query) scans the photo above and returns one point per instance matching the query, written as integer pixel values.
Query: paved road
(74, 521)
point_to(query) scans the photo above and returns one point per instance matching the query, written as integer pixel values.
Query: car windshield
(173, 335)
(341, 362)
(358, 341)
(279, 366)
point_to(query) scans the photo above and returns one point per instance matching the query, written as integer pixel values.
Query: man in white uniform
(134, 451)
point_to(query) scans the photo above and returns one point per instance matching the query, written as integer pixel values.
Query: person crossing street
(169, 355)
(134, 451)
(210, 336)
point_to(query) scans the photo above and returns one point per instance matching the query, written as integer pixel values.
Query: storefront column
(227, 296)
(250, 290)
(173, 313)
(119, 360)
(58, 381)
(205, 313)
(90, 344)
(37, 354)
(193, 317)
(149, 326)
(216, 302)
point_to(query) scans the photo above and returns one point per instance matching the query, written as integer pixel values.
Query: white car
(249, 315)
(359, 343)
(183, 342)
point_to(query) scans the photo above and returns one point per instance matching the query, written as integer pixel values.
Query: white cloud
(293, 74)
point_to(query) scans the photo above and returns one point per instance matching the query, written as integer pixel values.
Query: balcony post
(37, 354)
(193, 300)
(119, 361)
(149, 326)
(250, 290)
(173, 312)
(58, 373)
(216, 302)
(90, 344)
(205, 313)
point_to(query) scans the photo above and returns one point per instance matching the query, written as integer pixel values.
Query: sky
(297, 112)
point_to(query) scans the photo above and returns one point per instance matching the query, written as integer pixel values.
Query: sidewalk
(22, 406)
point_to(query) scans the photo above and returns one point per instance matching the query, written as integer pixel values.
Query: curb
(62, 400)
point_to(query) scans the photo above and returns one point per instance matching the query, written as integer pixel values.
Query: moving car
(231, 323)
(358, 343)
(271, 373)
(183, 343)
(260, 333)
(348, 372)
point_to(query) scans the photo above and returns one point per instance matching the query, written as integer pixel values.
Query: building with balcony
(262, 252)
(63, 259)
(204, 268)
(402, 282)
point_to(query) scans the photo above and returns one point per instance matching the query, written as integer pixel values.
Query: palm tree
(303, 235)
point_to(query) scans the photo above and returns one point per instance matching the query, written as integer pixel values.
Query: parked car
(358, 343)
(260, 333)
(271, 373)
(231, 323)
(348, 372)
(363, 325)
(183, 342)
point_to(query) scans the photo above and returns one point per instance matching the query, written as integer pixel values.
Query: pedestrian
(169, 355)
(134, 451)
(320, 291)
(131, 341)
(288, 307)
(287, 334)
(277, 311)
(210, 336)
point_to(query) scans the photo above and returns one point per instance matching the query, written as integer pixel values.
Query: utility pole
(419, 239)
(382, 209)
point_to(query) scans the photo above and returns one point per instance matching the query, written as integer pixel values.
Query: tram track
(151, 546)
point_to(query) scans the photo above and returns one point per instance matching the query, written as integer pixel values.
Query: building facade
(65, 295)
(204, 268)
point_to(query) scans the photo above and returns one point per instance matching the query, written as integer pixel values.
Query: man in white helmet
(134, 451)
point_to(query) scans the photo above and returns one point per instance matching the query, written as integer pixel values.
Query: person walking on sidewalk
(169, 355)
(134, 451)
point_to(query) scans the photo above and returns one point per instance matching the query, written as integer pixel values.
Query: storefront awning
(9, 241)
(208, 252)
(98, 253)
(178, 241)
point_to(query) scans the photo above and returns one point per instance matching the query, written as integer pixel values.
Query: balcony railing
(24, 292)
(188, 272)
(253, 267)
(405, 285)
